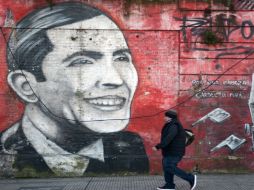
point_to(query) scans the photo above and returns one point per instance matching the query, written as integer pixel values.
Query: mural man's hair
(28, 43)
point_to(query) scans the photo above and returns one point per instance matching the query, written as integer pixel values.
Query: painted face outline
(77, 90)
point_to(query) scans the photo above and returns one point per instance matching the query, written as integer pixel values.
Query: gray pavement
(205, 182)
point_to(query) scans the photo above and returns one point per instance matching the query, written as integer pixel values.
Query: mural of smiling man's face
(89, 75)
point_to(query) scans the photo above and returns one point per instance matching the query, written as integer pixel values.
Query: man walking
(173, 149)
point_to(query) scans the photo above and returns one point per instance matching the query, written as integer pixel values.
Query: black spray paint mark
(223, 26)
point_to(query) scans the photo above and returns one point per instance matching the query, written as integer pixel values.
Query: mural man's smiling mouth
(107, 103)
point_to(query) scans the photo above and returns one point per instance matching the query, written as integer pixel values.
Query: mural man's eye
(122, 59)
(79, 62)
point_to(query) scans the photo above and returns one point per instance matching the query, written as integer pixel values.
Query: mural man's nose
(111, 77)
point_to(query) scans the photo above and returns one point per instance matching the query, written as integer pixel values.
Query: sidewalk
(205, 182)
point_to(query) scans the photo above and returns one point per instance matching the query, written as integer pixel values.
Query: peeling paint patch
(9, 22)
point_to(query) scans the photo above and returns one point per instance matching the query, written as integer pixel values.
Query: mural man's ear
(21, 82)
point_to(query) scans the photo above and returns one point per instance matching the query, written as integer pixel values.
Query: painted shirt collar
(60, 161)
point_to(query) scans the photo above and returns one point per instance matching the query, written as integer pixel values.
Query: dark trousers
(170, 169)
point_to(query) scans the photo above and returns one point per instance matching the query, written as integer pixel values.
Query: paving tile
(205, 182)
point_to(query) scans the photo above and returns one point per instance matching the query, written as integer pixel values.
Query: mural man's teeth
(106, 102)
(93, 101)
(111, 102)
(99, 101)
(117, 101)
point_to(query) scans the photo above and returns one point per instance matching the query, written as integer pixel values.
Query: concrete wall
(84, 86)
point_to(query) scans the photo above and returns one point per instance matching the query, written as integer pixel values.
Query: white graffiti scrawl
(232, 142)
(218, 115)
(250, 129)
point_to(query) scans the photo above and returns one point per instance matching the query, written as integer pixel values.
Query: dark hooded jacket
(172, 139)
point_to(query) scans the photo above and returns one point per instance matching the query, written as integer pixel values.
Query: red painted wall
(172, 60)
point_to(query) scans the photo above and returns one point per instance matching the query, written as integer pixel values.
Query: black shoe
(193, 183)
(164, 188)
